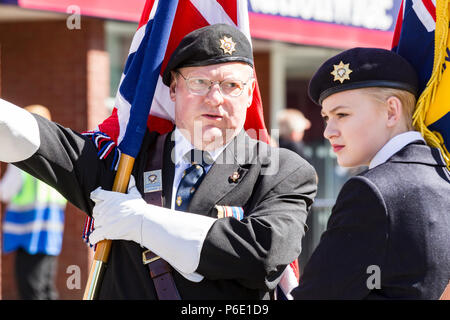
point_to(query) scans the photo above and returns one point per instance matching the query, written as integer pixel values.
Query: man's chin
(214, 138)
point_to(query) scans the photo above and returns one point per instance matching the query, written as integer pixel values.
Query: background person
(32, 228)
(292, 125)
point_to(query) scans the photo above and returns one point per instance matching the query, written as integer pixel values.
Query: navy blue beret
(214, 44)
(361, 68)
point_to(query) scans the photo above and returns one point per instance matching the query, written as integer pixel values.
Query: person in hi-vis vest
(33, 228)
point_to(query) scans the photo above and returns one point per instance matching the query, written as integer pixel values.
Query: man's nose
(214, 95)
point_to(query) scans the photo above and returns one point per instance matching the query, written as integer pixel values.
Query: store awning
(328, 23)
(129, 10)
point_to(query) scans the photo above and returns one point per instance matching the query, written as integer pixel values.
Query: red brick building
(67, 70)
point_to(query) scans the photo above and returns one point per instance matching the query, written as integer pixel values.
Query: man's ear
(394, 111)
(172, 87)
(252, 91)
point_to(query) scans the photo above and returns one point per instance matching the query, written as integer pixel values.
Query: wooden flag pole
(121, 180)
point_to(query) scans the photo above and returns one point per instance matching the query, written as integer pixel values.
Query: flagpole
(103, 248)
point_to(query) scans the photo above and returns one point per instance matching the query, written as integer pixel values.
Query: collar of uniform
(393, 146)
(183, 146)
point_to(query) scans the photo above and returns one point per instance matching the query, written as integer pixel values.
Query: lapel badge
(235, 176)
(227, 45)
(152, 181)
(179, 201)
(341, 72)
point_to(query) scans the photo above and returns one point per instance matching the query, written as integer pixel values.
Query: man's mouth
(212, 116)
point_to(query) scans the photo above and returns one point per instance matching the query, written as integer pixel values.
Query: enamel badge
(152, 181)
(179, 201)
(235, 176)
(341, 72)
(227, 45)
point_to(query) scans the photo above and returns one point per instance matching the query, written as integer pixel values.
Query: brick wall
(262, 69)
(67, 71)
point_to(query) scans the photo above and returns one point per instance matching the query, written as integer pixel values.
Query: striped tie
(192, 177)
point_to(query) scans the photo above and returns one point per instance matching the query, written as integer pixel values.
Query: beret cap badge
(210, 45)
(227, 45)
(341, 72)
(358, 68)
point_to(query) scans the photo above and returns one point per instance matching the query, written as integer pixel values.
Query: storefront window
(119, 36)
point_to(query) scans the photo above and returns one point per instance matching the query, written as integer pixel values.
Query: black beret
(214, 44)
(361, 68)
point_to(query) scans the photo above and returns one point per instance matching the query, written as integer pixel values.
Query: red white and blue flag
(143, 101)
(414, 36)
(421, 36)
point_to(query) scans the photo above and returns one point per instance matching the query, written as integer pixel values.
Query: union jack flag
(143, 100)
(421, 37)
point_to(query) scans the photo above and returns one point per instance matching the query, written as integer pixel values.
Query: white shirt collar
(393, 146)
(183, 146)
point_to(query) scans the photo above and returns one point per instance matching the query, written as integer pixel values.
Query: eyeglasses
(201, 86)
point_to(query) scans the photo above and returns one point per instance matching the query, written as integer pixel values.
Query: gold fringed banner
(435, 99)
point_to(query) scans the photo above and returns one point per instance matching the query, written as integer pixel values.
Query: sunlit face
(211, 120)
(357, 126)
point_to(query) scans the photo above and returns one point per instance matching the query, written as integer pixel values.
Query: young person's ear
(394, 111)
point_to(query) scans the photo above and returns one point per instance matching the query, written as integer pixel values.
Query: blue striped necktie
(192, 177)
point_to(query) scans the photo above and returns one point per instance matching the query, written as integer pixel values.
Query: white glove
(118, 216)
(175, 236)
(19, 133)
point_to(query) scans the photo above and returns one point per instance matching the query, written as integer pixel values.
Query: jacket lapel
(225, 174)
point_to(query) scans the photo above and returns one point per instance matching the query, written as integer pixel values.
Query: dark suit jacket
(239, 259)
(392, 221)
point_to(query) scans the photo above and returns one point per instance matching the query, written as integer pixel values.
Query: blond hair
(40, 110)
(407, 99)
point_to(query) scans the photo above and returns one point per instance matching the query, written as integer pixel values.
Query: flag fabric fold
(421, 36)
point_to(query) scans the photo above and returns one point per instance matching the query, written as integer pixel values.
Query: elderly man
(244, 203)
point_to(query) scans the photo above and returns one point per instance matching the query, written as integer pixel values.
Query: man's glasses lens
(228, 87)
(200, 86)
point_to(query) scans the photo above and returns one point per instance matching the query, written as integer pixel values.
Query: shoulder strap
(155, 162)
(160, 270)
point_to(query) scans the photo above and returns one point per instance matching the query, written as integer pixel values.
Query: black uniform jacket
(239, 259)
(388, 236)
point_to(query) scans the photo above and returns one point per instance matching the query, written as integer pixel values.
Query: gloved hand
(175, 236)
(118, 215)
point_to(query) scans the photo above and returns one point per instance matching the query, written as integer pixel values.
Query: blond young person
(388, 236)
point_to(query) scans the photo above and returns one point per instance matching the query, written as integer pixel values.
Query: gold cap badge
(227, 45)
(341, 72)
